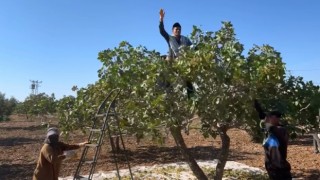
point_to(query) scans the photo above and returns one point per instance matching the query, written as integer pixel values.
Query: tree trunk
(316, 142)
(115, 143)
(197, 171)
(256, 133)
(27, 116)
(223, 156)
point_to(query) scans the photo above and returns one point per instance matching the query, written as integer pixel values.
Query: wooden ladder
(105, 115)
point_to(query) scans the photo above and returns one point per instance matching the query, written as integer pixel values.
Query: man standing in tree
(176, 40)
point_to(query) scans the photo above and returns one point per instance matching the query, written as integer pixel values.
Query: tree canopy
(154, 94)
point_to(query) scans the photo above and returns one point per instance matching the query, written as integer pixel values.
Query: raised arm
(259, 109)
(163, 32)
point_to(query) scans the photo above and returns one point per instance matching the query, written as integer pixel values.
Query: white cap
(52, 131)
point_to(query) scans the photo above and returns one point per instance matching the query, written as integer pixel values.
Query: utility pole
(35, 84)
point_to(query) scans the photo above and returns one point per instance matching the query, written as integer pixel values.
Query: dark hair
(176, 25)
(274, 113)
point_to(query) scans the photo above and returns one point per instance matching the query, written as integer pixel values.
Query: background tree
(302, 103)
(78, 112)
(40, 105)
(6, 106)
(266, 77)
(22, 109)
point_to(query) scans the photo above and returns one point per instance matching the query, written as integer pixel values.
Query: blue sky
(57, 42)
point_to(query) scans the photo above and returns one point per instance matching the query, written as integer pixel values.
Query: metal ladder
(107, 113)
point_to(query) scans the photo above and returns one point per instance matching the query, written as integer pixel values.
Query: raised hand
(161, 14)
(259, 109)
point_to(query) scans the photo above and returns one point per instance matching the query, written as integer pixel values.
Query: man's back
(275, 147)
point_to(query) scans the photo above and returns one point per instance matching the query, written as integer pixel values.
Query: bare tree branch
(305, 107)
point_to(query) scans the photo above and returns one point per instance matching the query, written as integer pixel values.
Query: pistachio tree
(266, 78)
(7, 106)
(39, 105)
(154, 96)
(302, 103)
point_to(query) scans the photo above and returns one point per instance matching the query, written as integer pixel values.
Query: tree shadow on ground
(155, 154)
(303, 140)
(29, 128)
(17, 141)
(310, 174)
(16, 171)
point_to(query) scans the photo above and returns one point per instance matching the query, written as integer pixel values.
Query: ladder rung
(100, 115)
(88, 161)
(93, 140)
(118, 135)
(81, 178)
(92, 145)
(95, 130)
(105, 114)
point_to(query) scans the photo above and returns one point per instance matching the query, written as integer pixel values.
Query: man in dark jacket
(176, 40)
(275, 146)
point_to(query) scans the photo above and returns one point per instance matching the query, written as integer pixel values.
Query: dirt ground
(21, 141)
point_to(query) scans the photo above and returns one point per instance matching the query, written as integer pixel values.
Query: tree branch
(305, 107)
